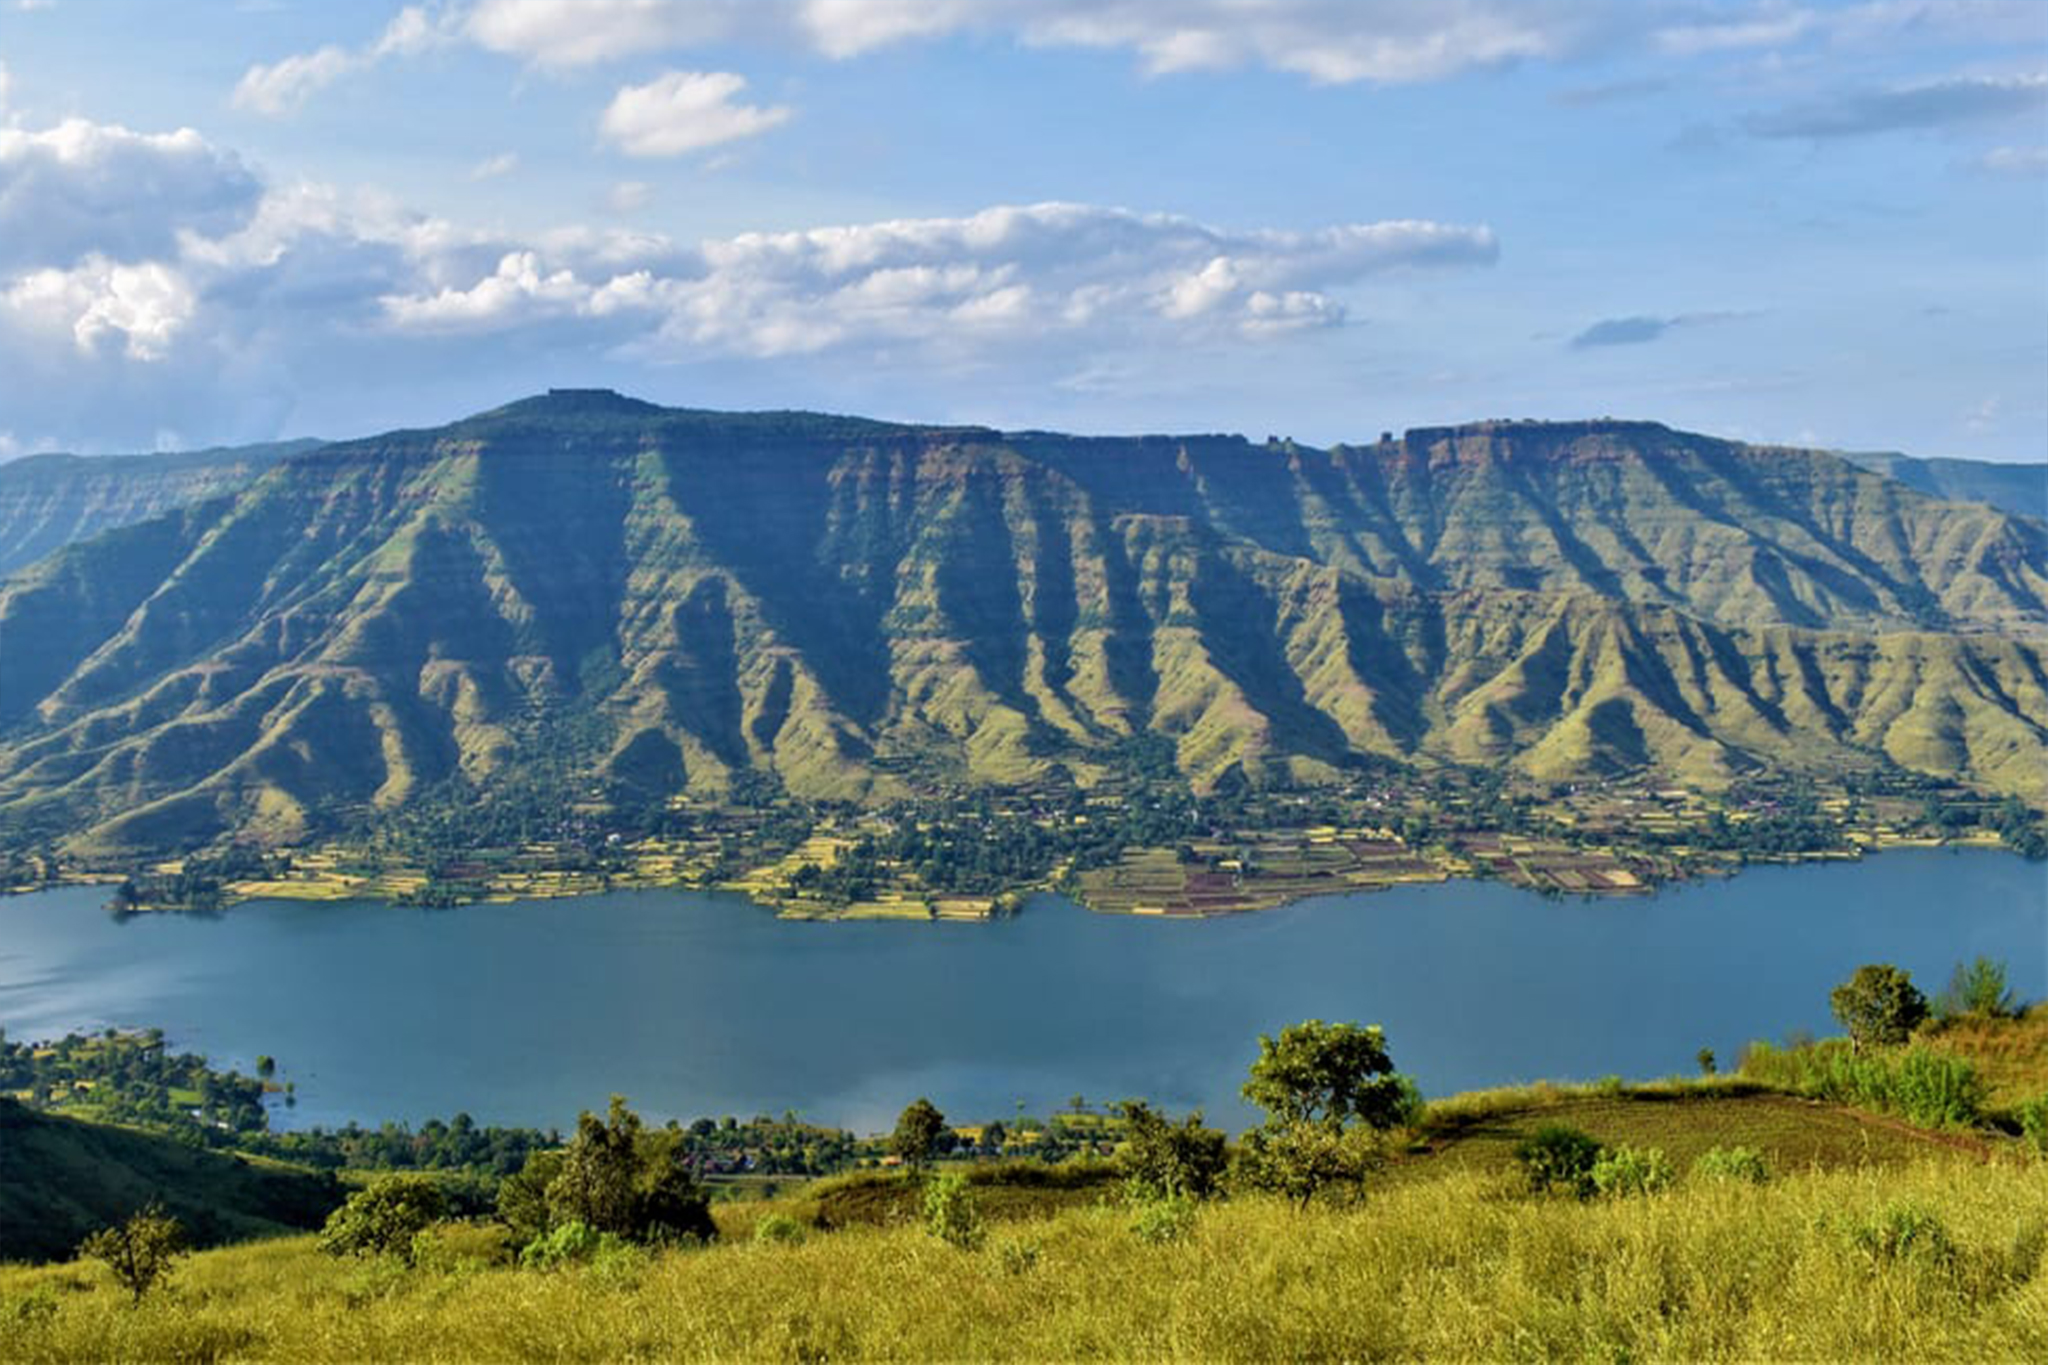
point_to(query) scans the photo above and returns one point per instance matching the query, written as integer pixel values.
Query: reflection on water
(702, 1004)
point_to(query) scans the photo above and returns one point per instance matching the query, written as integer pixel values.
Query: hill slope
(2017, 488)
(49, 501)
(62, 1178)
(663, 599)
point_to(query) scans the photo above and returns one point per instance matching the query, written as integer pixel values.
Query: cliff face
(852, 605)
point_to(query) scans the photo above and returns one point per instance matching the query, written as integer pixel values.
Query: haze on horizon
(1822, 223)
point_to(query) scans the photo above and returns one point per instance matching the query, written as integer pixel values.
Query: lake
(702, 1004)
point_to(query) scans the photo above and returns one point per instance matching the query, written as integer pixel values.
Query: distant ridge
(2017, 488)
(669, 599)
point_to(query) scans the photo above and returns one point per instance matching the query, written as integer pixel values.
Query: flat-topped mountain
(670, 598)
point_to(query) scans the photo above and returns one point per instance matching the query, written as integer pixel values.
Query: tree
(1879, 1005)
(1164, 1160)
(1328, 1090)
(918, 1130)
(384, 1218)
(139, 1251)
(1329, 1074)
(615, 1177)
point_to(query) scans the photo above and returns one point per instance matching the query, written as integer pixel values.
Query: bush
(571, 1243)
(1158, 1221)
(1016, 1255)
(950, 1213)
(1925, 1087)
(1559, 1159)
(1627, 1170)
(1977, 988)
(2033, 1117)
(615, 1178)
(385, 1218)
(1742, 1164)
(1904, 1232)
(1162, 1160)
(778, 1227)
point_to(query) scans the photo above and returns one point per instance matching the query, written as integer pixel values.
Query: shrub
(1558, 1158)
(614, 1177)
(1016, 1255)
(2033, 1117)
(1937, 1090)
(950, 1213)
(1158, 1221)
(570, 1243)
(385, 1218)
(1904, 1232)
(1627, 1170)
(1978, 988)
(139, 1251)
(778, 1227)
(1743, 1164)
(1926, 1087)
(1162, 1159)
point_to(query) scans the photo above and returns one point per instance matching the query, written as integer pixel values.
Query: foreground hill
(662, 600)
(1938, 1261)
(49, 501)
(63, 1178)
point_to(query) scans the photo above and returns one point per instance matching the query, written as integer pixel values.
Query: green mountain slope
(669, 598)
(2017, 488)
(62, 1178)
(49, 501)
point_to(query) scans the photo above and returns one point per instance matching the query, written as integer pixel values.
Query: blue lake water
(696, 1004)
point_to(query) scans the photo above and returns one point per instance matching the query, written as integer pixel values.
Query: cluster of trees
(135, 1078)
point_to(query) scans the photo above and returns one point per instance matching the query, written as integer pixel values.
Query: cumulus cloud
(1012, 273)
(153, 275)
(685, 111)
(82, 188)
(1937, 104)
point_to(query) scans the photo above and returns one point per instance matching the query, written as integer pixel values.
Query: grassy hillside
(663, 601)
(62, 1178)
(1809, 1266)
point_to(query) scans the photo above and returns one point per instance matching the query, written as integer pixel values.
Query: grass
(1938, 1260)
(2010, 1054)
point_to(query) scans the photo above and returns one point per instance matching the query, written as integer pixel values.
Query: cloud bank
(156, 272)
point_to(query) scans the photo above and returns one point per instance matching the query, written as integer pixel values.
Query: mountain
(666, 599)
(2020, 488)
(62, 1178)
(49, 501)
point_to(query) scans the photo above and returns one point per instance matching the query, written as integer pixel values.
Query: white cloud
(281, 87)
(81, 188)
(566, 33)
(150, 280)
(2027, 163)
(629, 196)
(6, 87)
(685, 111)
(492, 167)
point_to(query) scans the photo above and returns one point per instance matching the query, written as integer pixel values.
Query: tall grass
(1933, 1089)
(1939, 1261)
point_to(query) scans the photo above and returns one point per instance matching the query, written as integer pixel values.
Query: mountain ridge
(861, 608)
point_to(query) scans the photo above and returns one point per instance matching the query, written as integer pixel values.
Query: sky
(1812, 223)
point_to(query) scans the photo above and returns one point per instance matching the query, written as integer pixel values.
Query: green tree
(384, 1218)
(1165, 1160)
(617, 1178)
(1329, 1091)
(139, 1251)
(918, 1130)
(1329, 1074)
(1879, 1006)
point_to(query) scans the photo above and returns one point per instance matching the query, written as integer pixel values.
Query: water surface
(702, 1004)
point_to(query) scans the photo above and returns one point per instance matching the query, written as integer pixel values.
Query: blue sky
(1821, 223)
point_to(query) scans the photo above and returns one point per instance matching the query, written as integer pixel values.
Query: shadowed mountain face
(49, 501)
(693, 594)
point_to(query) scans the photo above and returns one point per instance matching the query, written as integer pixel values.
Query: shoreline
(1249, 895)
